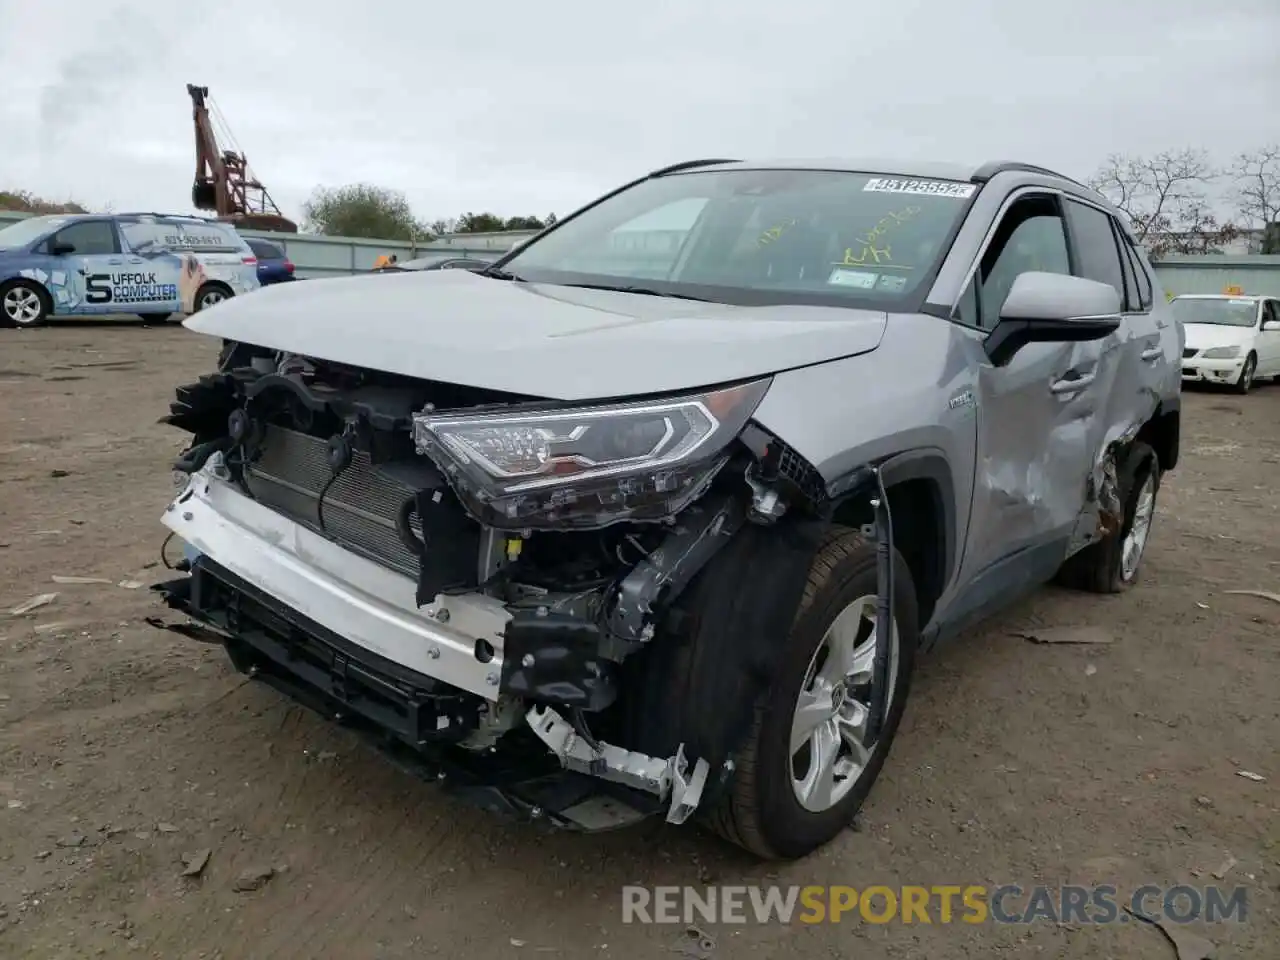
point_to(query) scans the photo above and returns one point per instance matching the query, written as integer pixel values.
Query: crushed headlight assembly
(587, 467)
(1221, 353)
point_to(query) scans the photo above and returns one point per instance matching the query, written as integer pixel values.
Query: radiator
(360, 506)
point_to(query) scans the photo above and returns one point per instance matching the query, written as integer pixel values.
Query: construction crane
(224, 183)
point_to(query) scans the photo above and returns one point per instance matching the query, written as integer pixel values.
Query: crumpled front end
(473, 580)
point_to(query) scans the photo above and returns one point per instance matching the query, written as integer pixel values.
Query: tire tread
(736, 817)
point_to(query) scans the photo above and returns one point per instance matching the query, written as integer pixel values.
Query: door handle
(1153, 353)
(1072, 384)
(115, 260)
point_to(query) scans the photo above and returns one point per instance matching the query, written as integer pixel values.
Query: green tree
(362, 210)
(524, 223)
(24, 201)
(480, 223)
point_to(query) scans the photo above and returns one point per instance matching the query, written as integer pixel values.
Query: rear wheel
(1111, 565)
(23, 304)
(805, 768)
(210, 295)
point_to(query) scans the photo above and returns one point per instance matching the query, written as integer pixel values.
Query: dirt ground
(123, 747)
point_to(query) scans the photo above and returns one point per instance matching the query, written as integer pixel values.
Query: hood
(1201, 336)
(562, 343)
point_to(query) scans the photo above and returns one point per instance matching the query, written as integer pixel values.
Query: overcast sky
(526, 108)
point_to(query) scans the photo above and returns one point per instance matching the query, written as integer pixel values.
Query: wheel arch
(51, 305)
(222, 285)
(922, 504)
(1163, 433)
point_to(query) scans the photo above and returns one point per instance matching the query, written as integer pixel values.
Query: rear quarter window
(172, 237)
(264, 249)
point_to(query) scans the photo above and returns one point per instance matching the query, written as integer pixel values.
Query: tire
(1245, 382)
(24, 304)
(761, 810)
(1101, 567)
(210, 295)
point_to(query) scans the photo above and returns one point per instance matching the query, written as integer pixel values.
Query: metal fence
(316, 256)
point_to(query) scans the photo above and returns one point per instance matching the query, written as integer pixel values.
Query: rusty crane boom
(224, 183)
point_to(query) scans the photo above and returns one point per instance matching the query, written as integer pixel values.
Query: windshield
(1231, 313)
(756, 237)
(27, 231)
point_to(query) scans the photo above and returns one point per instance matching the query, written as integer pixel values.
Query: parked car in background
(149, 264)
(274, 265)
(652, 516)
(1231, 340)
(469, 262)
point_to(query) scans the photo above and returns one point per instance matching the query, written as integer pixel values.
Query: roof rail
(989, 170)
(165, 216)
(690, 165)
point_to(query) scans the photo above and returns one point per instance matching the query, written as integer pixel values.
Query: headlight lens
(589, 466)
(1221, 353)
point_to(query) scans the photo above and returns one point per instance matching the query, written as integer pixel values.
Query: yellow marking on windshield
(773, 233)
(873, 248)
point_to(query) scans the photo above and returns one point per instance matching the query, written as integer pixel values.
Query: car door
(1128, 366)
(1269, 340)
(88, 253)
(1033, 458)
(151, 266)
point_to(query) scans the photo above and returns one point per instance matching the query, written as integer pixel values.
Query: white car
(1230, 340)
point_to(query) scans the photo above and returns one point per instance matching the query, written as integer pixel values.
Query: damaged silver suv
(654, 515)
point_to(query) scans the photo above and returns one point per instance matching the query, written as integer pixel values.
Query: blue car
(274, 265)
(152, 265)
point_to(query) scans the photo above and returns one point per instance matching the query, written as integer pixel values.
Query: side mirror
(62, 249)
(1272, 326)
(1052, 308)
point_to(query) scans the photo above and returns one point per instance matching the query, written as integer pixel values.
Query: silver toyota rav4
(653, 516)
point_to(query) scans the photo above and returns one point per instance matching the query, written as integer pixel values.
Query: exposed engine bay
(474, 578)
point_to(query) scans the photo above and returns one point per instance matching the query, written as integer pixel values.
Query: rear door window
(264, 249)
(1145, 294)
(1097, 257)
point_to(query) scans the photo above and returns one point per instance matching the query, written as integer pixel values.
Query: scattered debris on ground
(35, 603)
(253, 878)
(1263, 594)
(1082, 635)
(193, 864)
(1187, 945)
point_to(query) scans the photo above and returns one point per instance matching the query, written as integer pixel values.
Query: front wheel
(805, 768)
(1245, 381)
(23, 304)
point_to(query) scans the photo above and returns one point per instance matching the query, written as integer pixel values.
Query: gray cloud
(527, 108)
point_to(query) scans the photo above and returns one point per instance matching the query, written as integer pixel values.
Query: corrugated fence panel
(1255, 274)
(316, 256)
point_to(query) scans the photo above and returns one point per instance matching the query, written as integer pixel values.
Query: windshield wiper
(642, 291)
(497, 274)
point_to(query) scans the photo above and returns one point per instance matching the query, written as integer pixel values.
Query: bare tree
(1197, 231)
(1256, 182)
(1164, 197)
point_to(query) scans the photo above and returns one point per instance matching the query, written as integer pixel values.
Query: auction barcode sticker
(921, 188)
